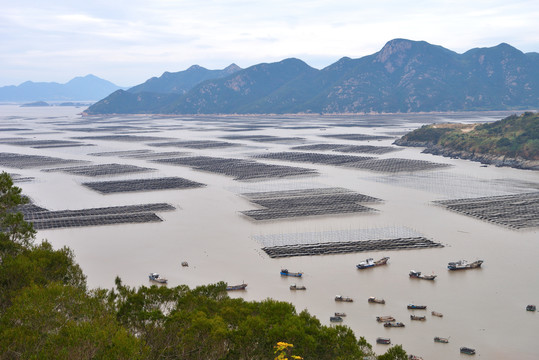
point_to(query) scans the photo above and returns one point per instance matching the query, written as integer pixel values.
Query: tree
(58, 321)
(394, 353)
(15, 233)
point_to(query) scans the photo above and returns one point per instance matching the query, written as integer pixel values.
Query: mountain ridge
(89, 87)
(404, 76)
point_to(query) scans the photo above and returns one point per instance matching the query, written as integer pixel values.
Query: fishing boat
(185, 264)
(531, 308)
(343, 298)
(463, 265)
(441, 340)
(417, 275)
(416, 307)
(296, 287)
(387, 318)
(157, 278)
(236, 287)
(413, 357)
(374, 300)
(436, 313)
(467, 350)
(341, 314)
(384, 341)
(335, 319)
(285, 272)
(420, 318)
(391, 324)
(371, 263)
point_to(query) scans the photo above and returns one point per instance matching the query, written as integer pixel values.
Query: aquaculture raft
(389, 165)
(366, 149)
(238, 168)
(100, 170)
(21, 161)
(109, 187)
(306, 202)
(514, 211)
(44, 219)
(349, 247)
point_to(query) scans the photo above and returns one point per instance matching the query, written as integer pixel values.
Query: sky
(130, 41)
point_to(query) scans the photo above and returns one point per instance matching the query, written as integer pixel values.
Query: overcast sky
(129, 41)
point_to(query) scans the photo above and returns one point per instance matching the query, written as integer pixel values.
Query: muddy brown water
(482, 309)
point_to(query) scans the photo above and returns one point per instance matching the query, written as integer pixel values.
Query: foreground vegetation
(514, 137)
(47, 312)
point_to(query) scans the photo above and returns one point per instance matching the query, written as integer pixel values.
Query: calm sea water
(483, 309)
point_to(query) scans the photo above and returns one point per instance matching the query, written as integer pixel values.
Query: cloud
(75, 38)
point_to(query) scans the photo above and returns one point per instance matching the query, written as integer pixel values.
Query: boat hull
(236, 287)
(464, 265)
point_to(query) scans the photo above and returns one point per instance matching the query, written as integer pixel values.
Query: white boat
(157, 278)
(463, 264)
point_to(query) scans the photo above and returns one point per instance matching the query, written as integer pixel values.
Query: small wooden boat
(441, 340)
(236, 287)
(420, 318)
(335, 319)
(296, 287)
(384, 319)
(436, 313)
(416, 307)
(285, 272)
(371, 263)
(467, 350)
(384, 341)
(343, 298)
(531, 308)
(341, 314)
(157, 278)
(390, 324)
(374, 300)
(185, 264)
(417, 275)
(463, 265)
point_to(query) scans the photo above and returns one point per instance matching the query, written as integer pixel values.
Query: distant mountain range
(404, 76)
(89, 88)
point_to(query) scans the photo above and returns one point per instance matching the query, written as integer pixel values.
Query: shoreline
(486, 159)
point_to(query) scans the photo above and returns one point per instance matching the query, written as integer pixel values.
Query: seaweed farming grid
(357, 137)
(44, 219)
(101, 169)
(343, 241)
(108, 187)
(518, 211)
(365, 149)
(350, 247)
(265, 138)
(196, 144)
(390, 165)
(307, 202)
(21, 161)
(318, 237)
(42, 144)
(239, 168)
(455, 186)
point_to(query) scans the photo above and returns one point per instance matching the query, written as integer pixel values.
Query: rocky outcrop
(487, 159)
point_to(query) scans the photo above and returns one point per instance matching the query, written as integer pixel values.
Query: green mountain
(404, 76)
(182, 81)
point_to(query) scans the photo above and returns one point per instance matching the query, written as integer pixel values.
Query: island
(513, 141)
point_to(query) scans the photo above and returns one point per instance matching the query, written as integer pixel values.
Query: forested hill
(513, 141)
(404, 76)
